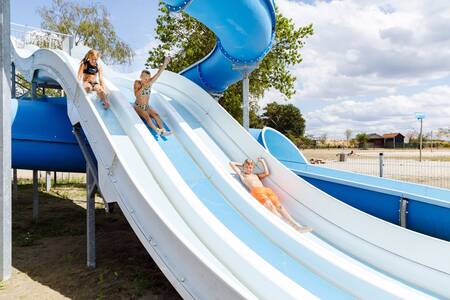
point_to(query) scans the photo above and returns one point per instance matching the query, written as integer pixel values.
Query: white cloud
(384, 114)
(366, 56)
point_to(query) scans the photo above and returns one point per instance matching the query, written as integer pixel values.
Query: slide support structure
(5, 142)
(92, 187)
(35, 196)
(245, 70)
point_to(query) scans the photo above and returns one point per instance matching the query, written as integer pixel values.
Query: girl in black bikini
(87, 73)
(142, 91)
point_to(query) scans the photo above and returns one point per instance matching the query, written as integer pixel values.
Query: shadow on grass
(53, 251)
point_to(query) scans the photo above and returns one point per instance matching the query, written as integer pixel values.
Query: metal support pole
(246, 102)
(90, 217)
(403, 211)
(381, 164)
(5, 141)
(54, 178)
(35, 196)
(15, 185)
(420, 145)
(48, 181)
(13, 80)
(33, 90)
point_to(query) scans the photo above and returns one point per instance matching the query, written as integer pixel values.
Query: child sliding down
(142, 91)
(264, 194)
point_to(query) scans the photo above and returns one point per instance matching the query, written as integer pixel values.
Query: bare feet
(164, 132)
(106, 104)
(302, 229)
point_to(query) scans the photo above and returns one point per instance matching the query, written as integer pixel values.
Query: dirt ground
(49, 258)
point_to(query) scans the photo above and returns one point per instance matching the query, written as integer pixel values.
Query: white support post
(15, 185)
(48, 181)
(246, 102)
(420, 146)
(381, 162)
(5, 142)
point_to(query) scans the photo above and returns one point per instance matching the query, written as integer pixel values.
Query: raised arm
(236, 168)
(161, 69)
(265, 172)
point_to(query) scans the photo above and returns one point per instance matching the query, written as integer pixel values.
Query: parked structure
(387, 140)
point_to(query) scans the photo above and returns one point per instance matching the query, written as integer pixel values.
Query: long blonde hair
(89, 54)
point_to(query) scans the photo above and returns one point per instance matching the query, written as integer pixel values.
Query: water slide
(206, 233)
(418, 207)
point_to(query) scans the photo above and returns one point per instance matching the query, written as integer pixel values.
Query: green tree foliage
(90, 25)
(191, 41)
(362, 138)
(285, 118)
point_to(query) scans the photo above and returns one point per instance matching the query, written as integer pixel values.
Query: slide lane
(205, 109)
(177, 249)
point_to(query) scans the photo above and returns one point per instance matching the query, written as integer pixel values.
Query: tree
(90, 25)
(348, 136)
(362, 139)
(323, 139)
(191, 41)
(285, 118)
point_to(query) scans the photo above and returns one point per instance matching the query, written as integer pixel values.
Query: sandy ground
(49, 257)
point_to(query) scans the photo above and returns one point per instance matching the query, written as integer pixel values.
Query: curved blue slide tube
(428, 208)
(244, 29)
(42, 137)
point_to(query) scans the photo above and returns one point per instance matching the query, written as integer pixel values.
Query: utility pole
(5, 142)
(420, 116)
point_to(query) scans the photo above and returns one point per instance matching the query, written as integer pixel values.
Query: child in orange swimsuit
(263, 194)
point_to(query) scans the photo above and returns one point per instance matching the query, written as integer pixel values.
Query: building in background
(394, 140)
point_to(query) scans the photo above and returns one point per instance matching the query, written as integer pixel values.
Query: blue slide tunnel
(42, 137)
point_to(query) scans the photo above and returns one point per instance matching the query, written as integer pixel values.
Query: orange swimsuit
(262, 193)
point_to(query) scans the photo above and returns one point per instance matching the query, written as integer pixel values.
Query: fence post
(381, 163)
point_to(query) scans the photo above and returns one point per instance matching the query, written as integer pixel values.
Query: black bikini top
(90, 69)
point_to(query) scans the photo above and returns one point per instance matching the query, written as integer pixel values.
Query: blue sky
(369, 66)
(134, 23)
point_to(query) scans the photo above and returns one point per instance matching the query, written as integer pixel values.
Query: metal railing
(28, 35)
(434, 172)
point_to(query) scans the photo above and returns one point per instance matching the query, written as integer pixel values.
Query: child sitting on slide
(142, 91)
(264, 194)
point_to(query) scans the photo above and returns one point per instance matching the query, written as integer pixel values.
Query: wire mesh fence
(429, 172)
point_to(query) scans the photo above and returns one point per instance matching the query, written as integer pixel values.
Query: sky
(369, 66)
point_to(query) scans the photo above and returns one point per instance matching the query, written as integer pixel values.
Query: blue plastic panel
(42, 137)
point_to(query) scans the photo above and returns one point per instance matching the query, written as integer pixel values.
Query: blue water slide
(428, 208)
(42, 136)
(244, 30)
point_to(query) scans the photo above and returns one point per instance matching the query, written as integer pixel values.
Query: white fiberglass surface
(215, 201)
